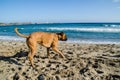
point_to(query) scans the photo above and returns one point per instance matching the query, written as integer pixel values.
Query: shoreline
(83, 62)
(69, 41)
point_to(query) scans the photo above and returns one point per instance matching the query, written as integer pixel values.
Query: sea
(93, 33)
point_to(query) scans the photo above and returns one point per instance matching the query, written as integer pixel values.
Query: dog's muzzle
(66, 39)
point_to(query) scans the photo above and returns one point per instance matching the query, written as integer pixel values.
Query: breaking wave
(86, 29)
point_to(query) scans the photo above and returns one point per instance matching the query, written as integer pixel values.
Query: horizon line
(55, 22)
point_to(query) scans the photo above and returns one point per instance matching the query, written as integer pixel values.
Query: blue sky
(59, 11)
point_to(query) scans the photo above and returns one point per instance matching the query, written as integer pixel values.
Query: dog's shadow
(14, 59)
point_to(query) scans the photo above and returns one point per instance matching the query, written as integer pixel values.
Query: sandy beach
(82, 62)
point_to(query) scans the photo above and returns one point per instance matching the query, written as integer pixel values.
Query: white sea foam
(87, 29)
(92, 42)
(11, 38)
(115, 26)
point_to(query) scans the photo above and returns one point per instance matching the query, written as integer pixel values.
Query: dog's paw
(62, 56)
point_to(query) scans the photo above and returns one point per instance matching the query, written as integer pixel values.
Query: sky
(54, 11)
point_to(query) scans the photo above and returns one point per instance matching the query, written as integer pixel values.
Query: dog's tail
(19, 34)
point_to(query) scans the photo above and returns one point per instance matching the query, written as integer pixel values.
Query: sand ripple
(82, 62)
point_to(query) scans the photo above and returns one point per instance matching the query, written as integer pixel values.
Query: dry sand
(83, 62)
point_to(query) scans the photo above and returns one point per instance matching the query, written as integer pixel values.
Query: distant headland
(25, 23)
(17, 23)
(30, 23)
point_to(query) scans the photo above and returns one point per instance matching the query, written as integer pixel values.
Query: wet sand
(82, 62)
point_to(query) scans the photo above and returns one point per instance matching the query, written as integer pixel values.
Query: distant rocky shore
(24, 23)
(10, 24)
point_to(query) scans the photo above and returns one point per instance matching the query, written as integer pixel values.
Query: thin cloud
(118, 7)
(116, 0)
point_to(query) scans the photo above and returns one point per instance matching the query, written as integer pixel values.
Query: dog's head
(62, 36)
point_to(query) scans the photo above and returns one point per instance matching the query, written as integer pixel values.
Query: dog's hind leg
(31, 55)
(32, 51)
(48, 53)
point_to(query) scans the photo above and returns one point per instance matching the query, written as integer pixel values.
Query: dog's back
(43, 38)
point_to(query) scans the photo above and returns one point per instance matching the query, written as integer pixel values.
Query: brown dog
(45, 39)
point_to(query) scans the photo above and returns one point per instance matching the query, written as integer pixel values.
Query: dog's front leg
(60, 53)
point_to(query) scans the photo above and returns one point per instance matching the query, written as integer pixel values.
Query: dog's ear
(61, 33)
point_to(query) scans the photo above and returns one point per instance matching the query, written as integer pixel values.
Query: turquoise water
(76, 32)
